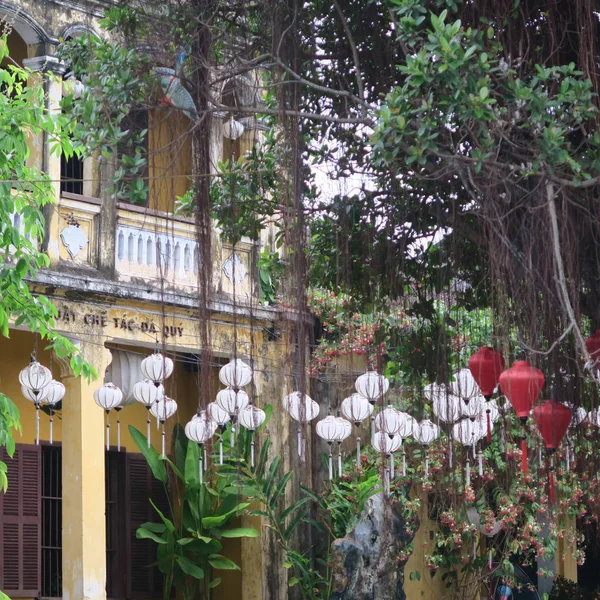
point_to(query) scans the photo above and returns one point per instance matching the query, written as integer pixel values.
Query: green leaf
(150, 454)
(215, 582)
(145, 534)
(220, 562)
(240, 532)
(484, 92)
(189, 568)
(192, 466)
(216, 521)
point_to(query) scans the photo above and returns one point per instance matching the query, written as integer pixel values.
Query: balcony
(142, 249)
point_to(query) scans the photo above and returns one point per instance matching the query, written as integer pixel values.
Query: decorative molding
(45, 64)
(235, 270)
(74, 239)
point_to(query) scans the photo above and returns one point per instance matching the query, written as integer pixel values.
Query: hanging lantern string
(107, 431)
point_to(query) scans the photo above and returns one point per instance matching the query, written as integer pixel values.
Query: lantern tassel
(403, 463)
(358, 453)
(524, 455)
(200, 468)
(251, 454)
(480, 463)
(468, 474)
(489, 427)
(490, 563)
(205, 459)
(51, 428)
(426, 467)
(232, 437)
(118, 435)
(37, 424)
(221, 450)
(330, 466)
(392, 466)
(162, 442)
(372, 429)
(339, 459)
(148, 427)
(299, 442)
(386, 481)
(107, 436)
(450, 454)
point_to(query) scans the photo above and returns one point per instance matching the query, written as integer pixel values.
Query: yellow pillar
(566, 565)
(50, 163)
(84, 528)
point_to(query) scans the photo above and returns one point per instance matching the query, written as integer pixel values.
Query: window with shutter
(116, 522)
(144, 581)
(20, 523)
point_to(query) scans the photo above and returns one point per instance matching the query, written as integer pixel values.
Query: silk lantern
(552, 420)
(522, 384)
(486, 365)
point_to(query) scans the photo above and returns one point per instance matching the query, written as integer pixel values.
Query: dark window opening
(51, 547)
(71, 174)
(134, 123)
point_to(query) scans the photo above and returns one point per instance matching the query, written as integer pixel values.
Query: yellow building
(124, 279)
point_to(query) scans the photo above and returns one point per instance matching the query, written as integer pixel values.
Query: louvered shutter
(144, 581)
(20, 523)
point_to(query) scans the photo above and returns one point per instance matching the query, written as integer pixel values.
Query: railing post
(108, 220)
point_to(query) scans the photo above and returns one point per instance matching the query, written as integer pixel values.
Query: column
(50, 162)
(84, 527)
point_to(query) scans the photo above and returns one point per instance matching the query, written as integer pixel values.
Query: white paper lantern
(108, 396)
(385, 444)
(344, 431)
(232, 129)
(445, 405)
(356, 408)
(157, 367)
(473, 408)
(468, 432)
(146, 393)
(464, 386)
(409, 426)
(200, 429)
(426, 432)
(304, 410)
(55, 392)
(390, 421)
(372, 386)
(294, 397)
(37, 397)
(231, 400)
(35, 377)
(490, 407)
(163, 409)
(217, 414)
(235, 374)
(593, 417)
(328, 429)
(251, 417)
(579, 416)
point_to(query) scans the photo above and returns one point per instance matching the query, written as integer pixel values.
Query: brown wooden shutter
(20, 523)
(144, 581)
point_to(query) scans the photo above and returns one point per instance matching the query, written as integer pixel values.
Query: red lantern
(522, 384)
(486, 365)
(593, 345)
(552, 419)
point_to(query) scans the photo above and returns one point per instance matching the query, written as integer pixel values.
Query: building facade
(124, 279)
